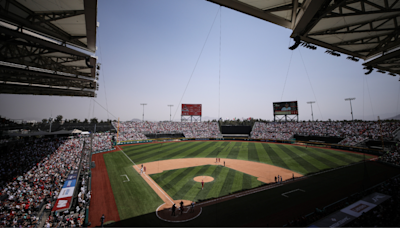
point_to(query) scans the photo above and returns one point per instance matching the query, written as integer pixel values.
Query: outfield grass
(179, 183)
(134, 197)
(299, 159)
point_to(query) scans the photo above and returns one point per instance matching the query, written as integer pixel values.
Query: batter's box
(293, 192)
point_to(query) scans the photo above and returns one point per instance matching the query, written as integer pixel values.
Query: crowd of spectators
(137, 130)
(32, 174)
(352, 132)
(75, 217)
(101, 141)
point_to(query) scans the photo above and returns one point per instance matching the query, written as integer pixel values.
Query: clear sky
(149, 49)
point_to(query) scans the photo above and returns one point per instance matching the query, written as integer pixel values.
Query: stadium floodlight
(312, 114)
(170, 112)
(351, 107)
(296, 44)
(143, 109)
(352, 58)
(369, 68)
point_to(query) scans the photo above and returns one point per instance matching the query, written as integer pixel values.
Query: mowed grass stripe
(165, 183)
(198, 151)
(246, 184)
(166, 154)
(226, 150)
(229, 181)
(172, 183)
(217, 186)
(159, 177)
(137, 150)
(238, 180)
(252, 152)
(275, 158)
(342, 156)
(183, 191)
(214, 153)
(353, 157)
(194, 192)
(262, 154)
(202, 194)
(194, 150)
(243, 151)
(181, 180)
(255, 182)
(234, 151)
(206, 153)
(298, 157)
(155, 150)
(330, 162)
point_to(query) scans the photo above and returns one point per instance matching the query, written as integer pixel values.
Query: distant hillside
(394, 117)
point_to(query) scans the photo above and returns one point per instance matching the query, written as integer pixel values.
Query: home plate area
(164, 212)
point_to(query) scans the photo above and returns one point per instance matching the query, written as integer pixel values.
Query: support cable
(198, 58)
(312, 89)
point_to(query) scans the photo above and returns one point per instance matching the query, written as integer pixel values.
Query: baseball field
(244, 170)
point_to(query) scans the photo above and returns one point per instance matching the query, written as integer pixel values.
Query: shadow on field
(274, 207)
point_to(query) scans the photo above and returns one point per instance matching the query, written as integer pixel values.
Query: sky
(196, 52)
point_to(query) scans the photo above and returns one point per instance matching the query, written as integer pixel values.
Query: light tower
(143, 109)
(351, 107)
(312, 114)
(170, 112)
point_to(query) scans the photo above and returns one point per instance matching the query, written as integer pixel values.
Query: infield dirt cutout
(264, 172)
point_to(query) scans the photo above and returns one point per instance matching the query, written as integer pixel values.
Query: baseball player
(144, 168)
(216, 160)
(192, 208)
(141, 171)
(202, 184)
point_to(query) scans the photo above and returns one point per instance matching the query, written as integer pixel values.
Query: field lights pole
(170, 112)
(351, 108)
(312, 114)
(143, 109)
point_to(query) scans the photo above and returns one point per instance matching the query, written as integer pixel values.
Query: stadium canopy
(365, 29)
(46, 47)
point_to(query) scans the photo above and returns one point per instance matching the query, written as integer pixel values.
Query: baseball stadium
(196, 171)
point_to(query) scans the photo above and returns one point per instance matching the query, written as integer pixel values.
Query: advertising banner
(191, 109)
(69, 183)
(62, 204)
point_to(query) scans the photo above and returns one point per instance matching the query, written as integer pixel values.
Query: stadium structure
(193, 172)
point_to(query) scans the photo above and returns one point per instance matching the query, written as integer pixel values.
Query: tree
(44, 121)
(94, 120)
(86, 121)
(75, 120)
(59, 118)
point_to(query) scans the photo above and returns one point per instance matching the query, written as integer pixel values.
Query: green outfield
(135, 197)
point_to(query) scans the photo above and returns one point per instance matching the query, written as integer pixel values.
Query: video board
(286, 108)
(191, 109)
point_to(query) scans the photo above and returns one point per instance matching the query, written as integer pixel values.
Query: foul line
(284, 194)
(126, 177)
(151, 180)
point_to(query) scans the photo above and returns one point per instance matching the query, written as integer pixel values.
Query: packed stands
(32, 174)
(352, 132)
(137, 130)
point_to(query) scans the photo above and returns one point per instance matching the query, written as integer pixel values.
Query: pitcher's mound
(203, 178)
